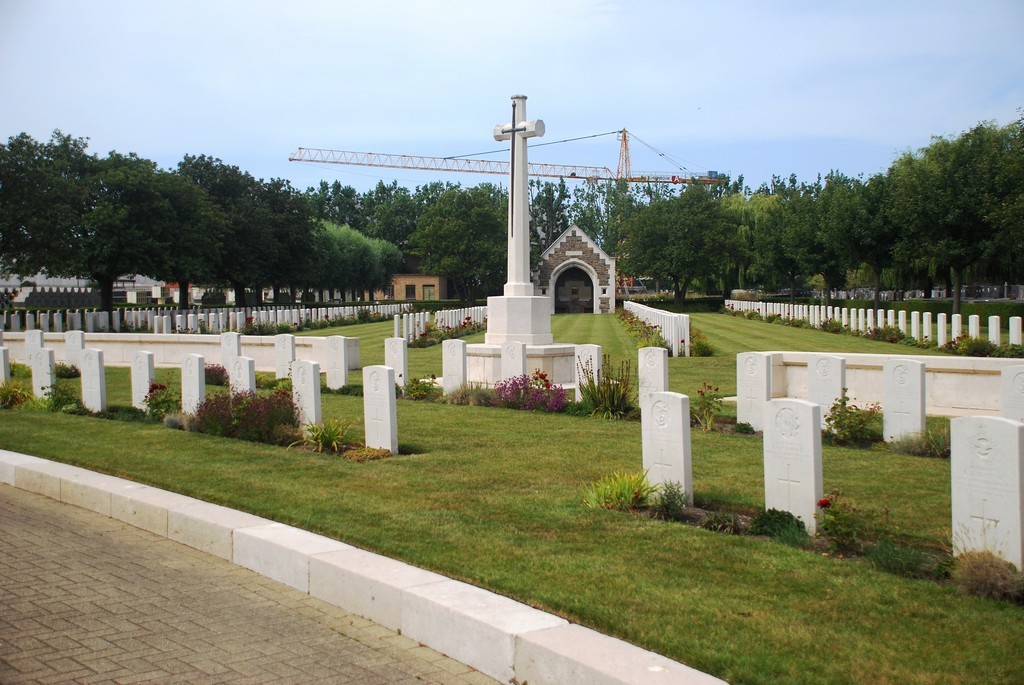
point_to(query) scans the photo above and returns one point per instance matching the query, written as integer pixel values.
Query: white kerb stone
(281, 552)
(903, 398)
(665, 435)
(792, 458)
(987, 471)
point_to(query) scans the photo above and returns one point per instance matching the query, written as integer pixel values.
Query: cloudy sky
(742, 87)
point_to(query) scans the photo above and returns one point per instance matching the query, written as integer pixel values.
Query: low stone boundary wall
(953, 385)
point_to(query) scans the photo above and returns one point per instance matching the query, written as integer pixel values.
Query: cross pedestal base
(525, 319)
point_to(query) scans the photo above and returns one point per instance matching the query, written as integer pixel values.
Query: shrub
(62, 370)
(776, 523)
(721, 522)
(889, 334)
(160, 401)
(933, 442)
(213, 416)
(840, 524)
(704, 405)
(847, 424)
(886, 555)
(270, 419)
(611, 395)
(471, 395)
(699, 344)
(62, 398)
(422, 389)
(19, 370)
(983, 574)
(671, 502)
(646, 335)
(966, 346)
(13, 394)
(1008, 350)
(216, 374)
(330, 436)
(832, 326)
(530, 392)
(743, 428)
(620, 491)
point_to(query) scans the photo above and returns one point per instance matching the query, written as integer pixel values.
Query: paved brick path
(87, 599)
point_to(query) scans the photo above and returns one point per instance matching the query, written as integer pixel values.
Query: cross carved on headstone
(982, 519)
(791, 486)
(377, 425)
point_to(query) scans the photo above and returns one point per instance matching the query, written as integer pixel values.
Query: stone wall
(576, 247)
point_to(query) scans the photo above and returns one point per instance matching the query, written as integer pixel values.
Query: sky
(752, 88)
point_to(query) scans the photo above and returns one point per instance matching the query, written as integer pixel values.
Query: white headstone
(193, 383)
(915, 325)
(974, 326)
(652, 371)
(396, 355)
(956, 326)
(926, 325)
(74, 343)
(665, 433)
(337, 362)
(1015, 330)
(903, 398)
(1013, 392)
(58, 323)
(5, 364)
(453, 365)
(33, 343)
(753, 386)
(826, 381)
(901, 318)
(242, 374)
(987, 472)
(942, 332)
(792, 458)
(587, 357)
(994, 330)
(142, 377)
(94, 384)
(513, 359)
(380, 413)
(230, 347)
(306, 391)
(43, 376)
(284, 354)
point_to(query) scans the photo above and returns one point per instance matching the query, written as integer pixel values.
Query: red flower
(824, 503)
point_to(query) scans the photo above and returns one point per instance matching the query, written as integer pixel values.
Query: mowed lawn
(491, 496)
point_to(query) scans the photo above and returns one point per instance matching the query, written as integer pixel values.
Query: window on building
(410, 291)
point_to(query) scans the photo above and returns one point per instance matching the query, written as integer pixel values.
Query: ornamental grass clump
(983, 574)
(610, 395)
(530, 392)
(620, 491)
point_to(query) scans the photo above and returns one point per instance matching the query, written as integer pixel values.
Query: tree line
(948, 213)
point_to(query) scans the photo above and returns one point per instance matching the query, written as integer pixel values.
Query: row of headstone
(165, 320)
(919, 326)
(675, 328)
(411, 326)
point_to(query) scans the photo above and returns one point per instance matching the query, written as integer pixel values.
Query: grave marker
(284, 354)
(665, 431)
(193, 383)
(306, 391)
(753, 386)
(396, 355)
(453, 365)
(94, 384)
(142, 377)
(1012, 381)
(792, 458)
(652, 371)
(826, 381)
(43, 376)
(74, 343)
(513, 359)
(230, 347)
(903, 399)
(337, 362)
(242, 374)
(33, 343)
(5, 364)
(987, 468)
(380, 416)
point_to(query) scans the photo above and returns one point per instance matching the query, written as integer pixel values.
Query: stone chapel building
(577, 275)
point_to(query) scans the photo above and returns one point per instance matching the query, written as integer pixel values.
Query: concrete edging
(498, 636)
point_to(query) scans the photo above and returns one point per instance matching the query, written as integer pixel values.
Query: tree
(462, 237)
(601, 208)
(682, 239)
(870, 240)
(549, 213)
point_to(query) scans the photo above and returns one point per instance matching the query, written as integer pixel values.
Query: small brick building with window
(577, 275)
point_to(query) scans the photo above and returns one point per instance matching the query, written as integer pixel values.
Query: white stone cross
(518, 283)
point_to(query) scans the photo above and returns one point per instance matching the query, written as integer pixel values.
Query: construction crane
(485, 166)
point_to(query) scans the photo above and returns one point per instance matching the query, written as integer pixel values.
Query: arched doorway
(574, 292)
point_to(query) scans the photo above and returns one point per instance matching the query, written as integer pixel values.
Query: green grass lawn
(491, 496)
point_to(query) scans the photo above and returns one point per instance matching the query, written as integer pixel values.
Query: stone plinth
(483, 363)
(523, 319)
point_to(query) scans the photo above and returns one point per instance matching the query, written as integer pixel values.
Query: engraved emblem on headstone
(650, 360)
(982, 445)
(375, 381)
(899, 374)
(750, 365)
(787, 422)
(510, 351)
(823, 368)
(660, 411)
(1018, 383)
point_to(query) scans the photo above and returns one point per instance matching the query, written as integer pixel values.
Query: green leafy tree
(683, 239)
(549, 212)
(600, 208)
(462, 237)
